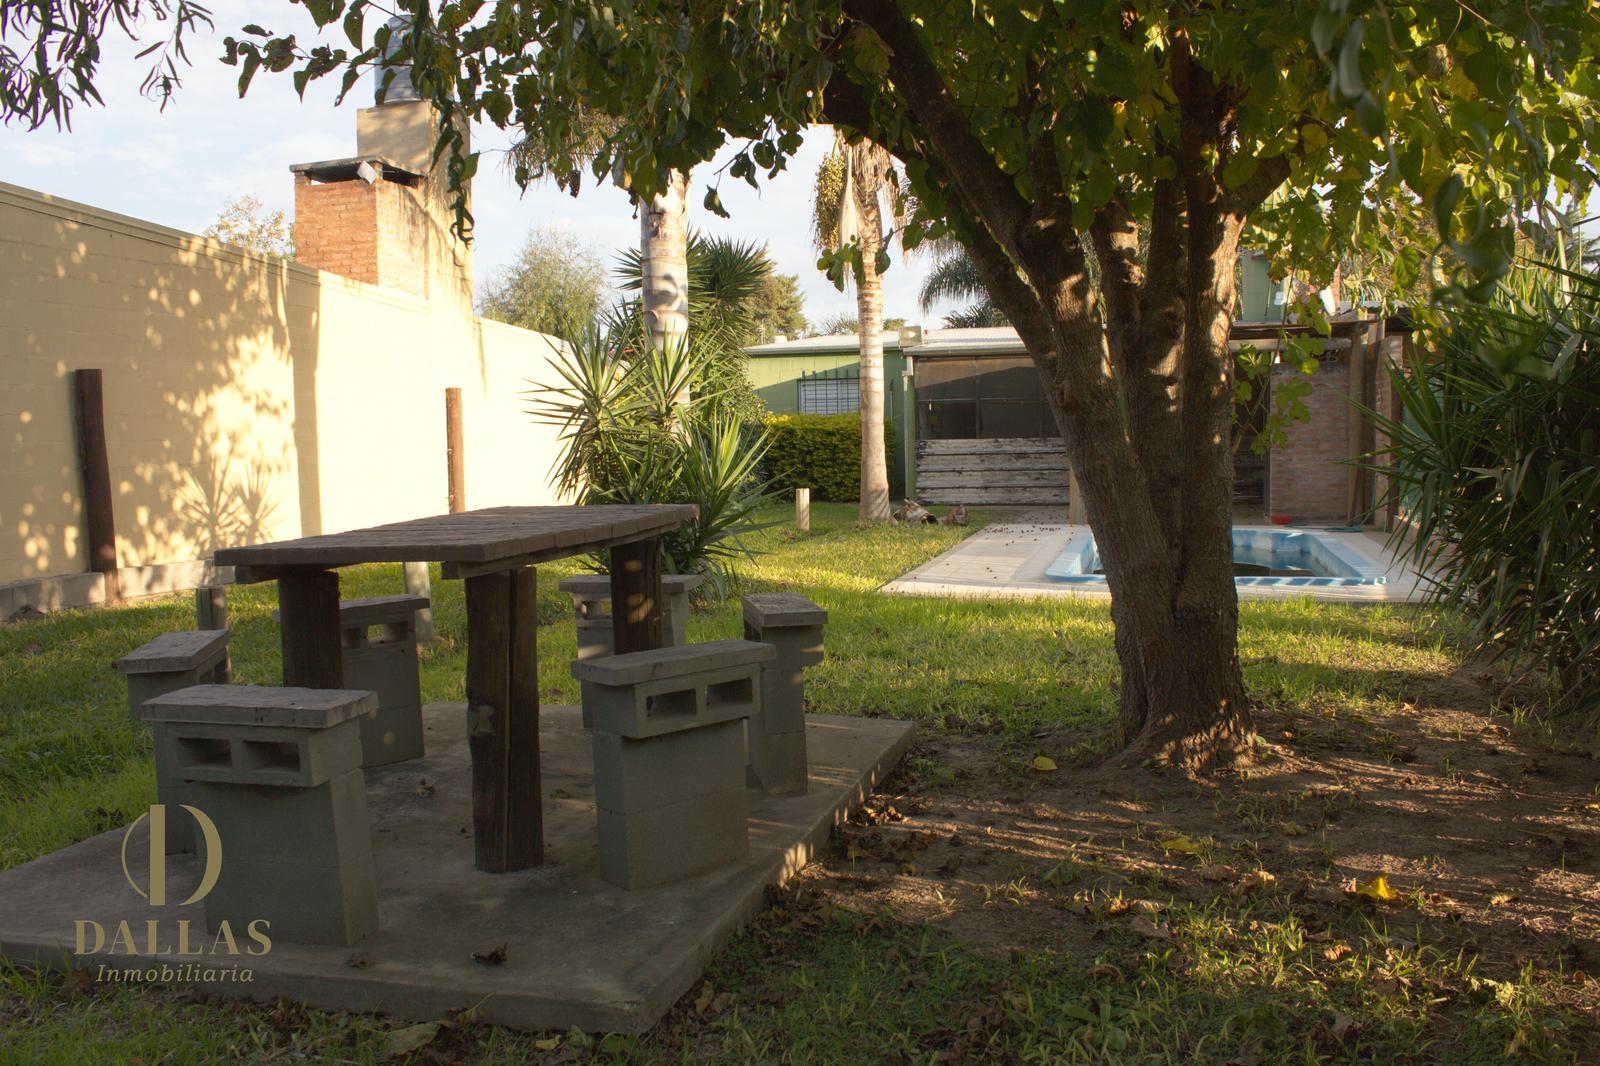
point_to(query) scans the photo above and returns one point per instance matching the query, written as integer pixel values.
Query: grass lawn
(982, 908)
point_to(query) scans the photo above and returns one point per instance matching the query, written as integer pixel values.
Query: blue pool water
(1312, 558)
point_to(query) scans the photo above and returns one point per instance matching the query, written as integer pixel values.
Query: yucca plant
(627, 437)
(1498, 459)
(726, 278)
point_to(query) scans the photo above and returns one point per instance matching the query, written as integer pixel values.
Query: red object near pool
(1281, 519)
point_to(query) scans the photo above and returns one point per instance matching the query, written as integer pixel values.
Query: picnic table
(494, 552)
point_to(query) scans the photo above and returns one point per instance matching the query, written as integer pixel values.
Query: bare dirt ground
(1487, 838)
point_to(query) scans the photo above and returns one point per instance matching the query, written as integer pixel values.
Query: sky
(178, 167)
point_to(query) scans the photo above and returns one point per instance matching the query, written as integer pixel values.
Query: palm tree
(955, 276)
(664, 262)
(854, 184)
(727, 277)
(663, 227)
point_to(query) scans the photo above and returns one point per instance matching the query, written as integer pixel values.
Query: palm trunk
(874, 506)
(664, 263)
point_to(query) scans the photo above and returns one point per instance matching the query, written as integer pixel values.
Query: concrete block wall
(1307, 478)
(247, 399)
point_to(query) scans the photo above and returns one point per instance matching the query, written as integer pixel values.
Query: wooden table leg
(308, 623)
(636, 596)
(503, 720)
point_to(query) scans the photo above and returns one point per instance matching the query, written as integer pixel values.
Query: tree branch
(1115, 236)
(918, 82)
(1269, 174)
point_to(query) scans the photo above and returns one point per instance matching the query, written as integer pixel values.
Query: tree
(60, 54)
(245, 223)
(851, 186)
(1024, 126)
(955, 277)
(779, 310)
(555, 285)
(727, 279)
(663, 260)
(837, 323)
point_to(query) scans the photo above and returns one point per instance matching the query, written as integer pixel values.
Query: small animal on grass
(956, 517)
(913, 513)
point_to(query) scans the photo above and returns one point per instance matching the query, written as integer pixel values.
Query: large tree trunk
(1168, 562)
(664, 262)
(1141, 382)
(874, 506)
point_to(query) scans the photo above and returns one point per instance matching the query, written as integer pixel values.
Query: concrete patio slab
(1008, 561)
(578, 952)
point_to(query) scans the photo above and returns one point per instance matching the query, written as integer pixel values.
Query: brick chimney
(383, 215)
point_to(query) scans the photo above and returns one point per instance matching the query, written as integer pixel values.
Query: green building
(956, 396)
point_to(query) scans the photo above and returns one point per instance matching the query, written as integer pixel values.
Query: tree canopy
(1360, 111)
(556, 285)
(1131, 142)
(246, 223)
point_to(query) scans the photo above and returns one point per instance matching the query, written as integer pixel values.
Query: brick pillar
(1308, 479)
(377, 233)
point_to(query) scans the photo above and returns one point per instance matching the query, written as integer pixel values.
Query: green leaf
(1350, 60)
(1444, 205)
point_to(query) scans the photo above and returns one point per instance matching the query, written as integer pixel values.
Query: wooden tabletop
(471, 538)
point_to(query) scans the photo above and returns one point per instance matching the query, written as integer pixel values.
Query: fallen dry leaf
(1325, 893)
(702, 1002)
(1216, 872)
(1044, 764)
(1335, 952)
(1342, 1024)
(77, 983)
(1377, 888)
(399, 1042)
(1146, 928)
(1105, 969)
(491, 956)
(1185, 845)
(1252, 881)
(1500, 899)
(549, 1043)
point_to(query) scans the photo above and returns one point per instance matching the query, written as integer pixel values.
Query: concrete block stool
(792, 625)
(167, 663)
(278, 771)
(669, 757)
(385, 664)
(591, 601)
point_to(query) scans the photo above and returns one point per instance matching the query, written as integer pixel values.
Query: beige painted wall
(246, 399)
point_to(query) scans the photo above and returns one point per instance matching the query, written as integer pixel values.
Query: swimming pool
(1319, 560)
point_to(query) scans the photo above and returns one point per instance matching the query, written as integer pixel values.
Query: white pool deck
(1008, 560)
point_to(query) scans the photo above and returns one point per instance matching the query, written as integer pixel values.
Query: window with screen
(983, 397)
(830, 396)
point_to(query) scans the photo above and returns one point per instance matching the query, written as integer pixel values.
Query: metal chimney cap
(401, 89)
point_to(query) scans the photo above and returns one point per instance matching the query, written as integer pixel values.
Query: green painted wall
(776, 379)
(1256, 290)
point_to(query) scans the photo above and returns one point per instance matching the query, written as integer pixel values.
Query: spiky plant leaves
(1497, 455)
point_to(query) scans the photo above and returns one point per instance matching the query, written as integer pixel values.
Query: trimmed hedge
(823, 453)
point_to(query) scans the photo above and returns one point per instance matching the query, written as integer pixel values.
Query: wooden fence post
(802, 510)
(95, 470)
(454, 450)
